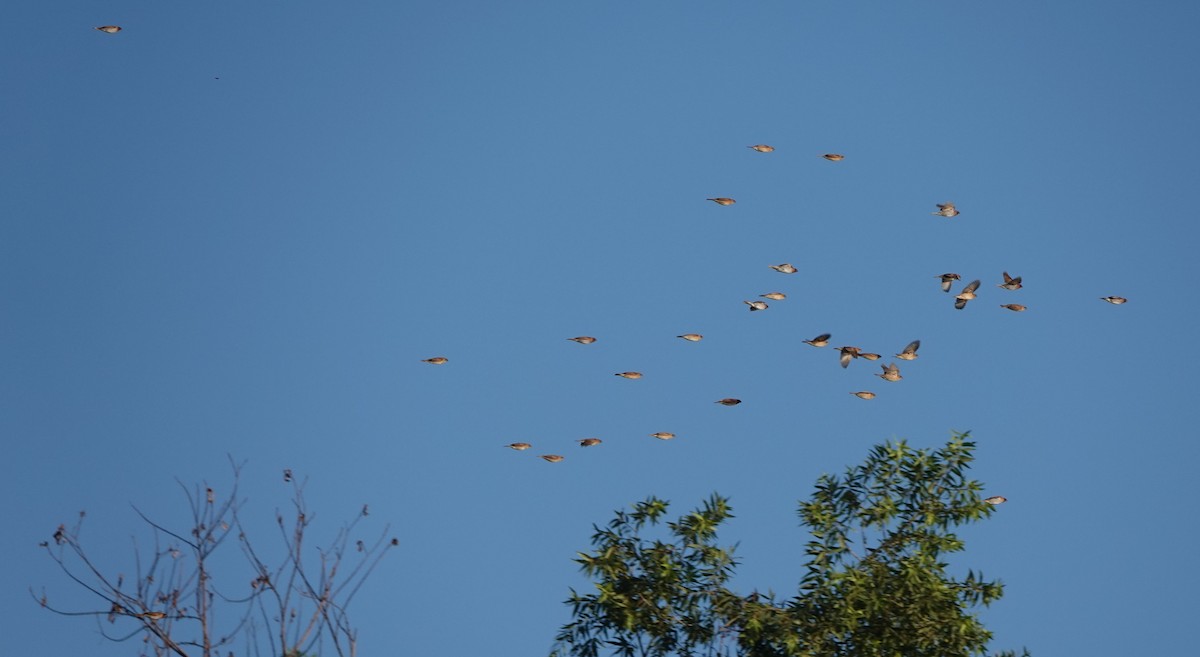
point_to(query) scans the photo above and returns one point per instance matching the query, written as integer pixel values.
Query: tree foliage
(875, 584)
(286, 605)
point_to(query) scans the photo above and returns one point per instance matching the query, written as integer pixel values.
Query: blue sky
(237, 231)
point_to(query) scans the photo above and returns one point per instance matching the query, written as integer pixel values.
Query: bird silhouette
(910, 352)
(436, 360)
(946, 210)
(519, 446)
(834, 157)
(691, 337)
(1015, 307)
(553, 458)
(846, 354)
(663, 435)
(864, 394)
(762, 148)
(1010, 283)
(890, 373)
(1116, 301)
(966, 295)
(722, 200)
(820, 341)
(110, 29)
(774, 296)
(756, 305)
(947, 280)
(583, 339)
(588, 442)
(728, 401)
(995, 499)
(630, 375)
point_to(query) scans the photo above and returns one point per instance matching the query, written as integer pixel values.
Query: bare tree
(285, 606)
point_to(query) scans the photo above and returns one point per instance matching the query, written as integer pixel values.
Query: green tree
(875, 585)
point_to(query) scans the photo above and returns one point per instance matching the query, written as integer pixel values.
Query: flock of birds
(846, 354)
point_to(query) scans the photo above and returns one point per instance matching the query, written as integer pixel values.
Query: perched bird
(553, 458)
(583, 339)
(728, 401)
(691, 337)
(756, 305)
(1116, 301)
(436, 360)
(995, 499)
(663, 435)
(910, 352)
(520, 447)
(588, 442)
(890, 373)
(722, 200)
(966, 295)
(820, 341)
(946, 210)
(774, 296)
(785, 268)
(1015, 307)
(152, 615)
(630, 375)
(947, 279)
(834, 157)
(762, 148)
(863, 394)
(847, 353)
(869, 356)
(110, 29)
(1011, 283)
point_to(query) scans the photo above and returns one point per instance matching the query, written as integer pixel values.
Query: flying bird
(553, 458)
(756, 305)
(995, 499)
(834, 157)
(728, 401)
(110, 29)
(1015, 307)
(869, 356)
(722, 200)
(630, 375)
(663, 435)
(785, 268)
(691, 337)
(436, 360)
(946, 210)
(864, 394)
(520, 447)
(848, 353)
(910, 352)
(966, 295)
(588, 442)
(774, 296)
(820, 341)
(1010, 283)
(947, 279)
(762, 148)
(1116, 301)
(583, 339)
(890, 373)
